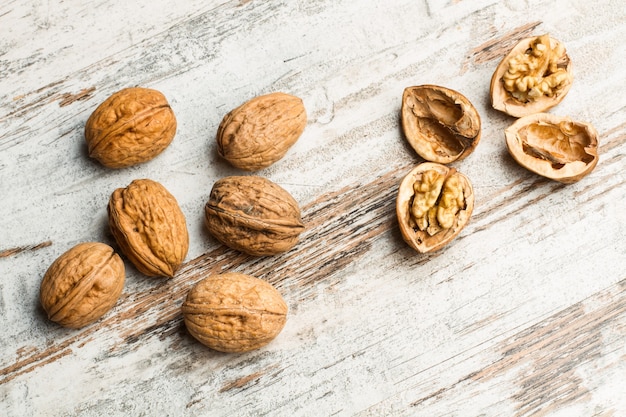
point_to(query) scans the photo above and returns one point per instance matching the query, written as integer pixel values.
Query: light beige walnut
(434, 204)
(149, 227)
(132, 126)
(553, 146)
(82, 284)
(234, 312)
(440, 124)
(253, 215)
(260, 132)
(534, 77)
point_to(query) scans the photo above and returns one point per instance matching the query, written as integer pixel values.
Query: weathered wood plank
(523, 314)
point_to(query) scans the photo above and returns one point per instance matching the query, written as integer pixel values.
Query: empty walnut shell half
(82, 284)
(149, 227)
(440, 124)
(253, 215)
(534, 77)
(132, 126)
(553, 146)
(434, 204)
(261, 131)
(234, 312)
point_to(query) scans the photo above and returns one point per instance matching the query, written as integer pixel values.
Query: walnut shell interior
(440, 124)
(553, 146)
(433, 205)
(82, 284)
(233, 312)
(533, 77)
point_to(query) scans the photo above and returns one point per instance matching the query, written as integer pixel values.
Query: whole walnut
(253, 215)
(261, 131)
(149, 227)
(234, 312)
(132, 126)
(82, 284)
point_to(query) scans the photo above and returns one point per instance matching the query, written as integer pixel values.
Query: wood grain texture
(523, 314)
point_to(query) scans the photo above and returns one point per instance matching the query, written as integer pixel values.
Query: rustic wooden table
(524, 313)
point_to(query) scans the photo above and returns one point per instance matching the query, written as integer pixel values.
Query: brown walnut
(149, 227)
(132, 126)
(553, 146)
(234, 312)
(534, 77)
(440, 124)
(434, 204)
(261, 131)
(82, 284)
(253, 215)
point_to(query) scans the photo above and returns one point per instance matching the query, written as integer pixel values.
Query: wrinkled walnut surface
(261, 131)
(132, 126)
(234, 312)
(253, 215)
(149, 227)
(553, 146)
(534, 77)
(82, 284)
(434, 204)
(440, 124)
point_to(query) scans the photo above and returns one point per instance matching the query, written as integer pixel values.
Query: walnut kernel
(534, 77)
(434, 204)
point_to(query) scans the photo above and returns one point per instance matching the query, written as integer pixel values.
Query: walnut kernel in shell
(534, 77)
(434, 204)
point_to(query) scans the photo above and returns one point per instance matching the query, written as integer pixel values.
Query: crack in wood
(547, 354)
(244, 380)
(15, 251)
(69, 98)
(500, 46)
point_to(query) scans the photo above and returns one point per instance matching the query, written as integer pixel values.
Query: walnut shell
(440, 124)
(234, 312)
(132, 126)
(261, 131)
(553, 146)
(434, 204)
(82, 284)
(524, 83)
(149, 227)
(253, 215)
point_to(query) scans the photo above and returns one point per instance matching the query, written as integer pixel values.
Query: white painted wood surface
(523, 314)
